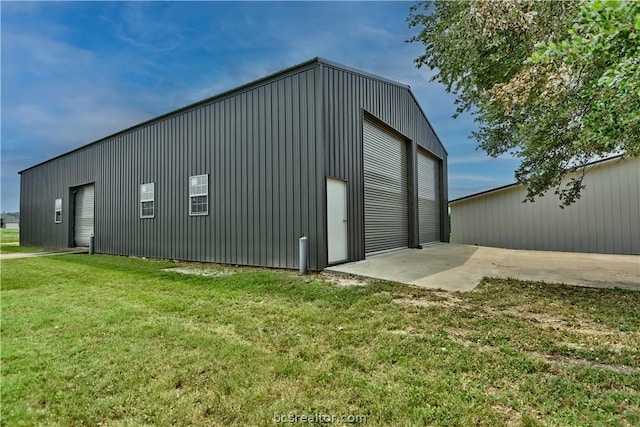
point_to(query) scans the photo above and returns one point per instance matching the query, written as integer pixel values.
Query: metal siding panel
(174, 185)
(623, 200)
(226, 163)
(317, 156)
(303, 155)
(296, 178)
(629, 202)
(245, 171)
(216, 236)
(627, 196)
(611, 226)
(191, 169)
(199, 244)
(271, 169)
(233, 191)
(182, 176)
(289, 207)
(166, 188)
(598, 225)
(204, 163)
(282, 178)
(240, 192)
(182, 182)
(265, 189)
(279, 221)
(256, 171)
(155, 156)
(634, 208)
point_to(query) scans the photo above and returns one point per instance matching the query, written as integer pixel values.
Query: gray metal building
(346, 158)
(606, 219)
(9, 221)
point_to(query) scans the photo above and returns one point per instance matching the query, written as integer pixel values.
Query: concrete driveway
(455, 267)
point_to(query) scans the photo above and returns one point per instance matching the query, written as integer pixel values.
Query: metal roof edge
(360, 72)
(427, 119)
(485, 192)
(516, 184)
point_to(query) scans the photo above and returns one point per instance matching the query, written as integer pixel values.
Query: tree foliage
(555, 84)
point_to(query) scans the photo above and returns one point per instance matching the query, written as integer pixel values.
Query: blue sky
(73, 72)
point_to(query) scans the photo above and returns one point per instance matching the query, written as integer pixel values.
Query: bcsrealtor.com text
(318, 419)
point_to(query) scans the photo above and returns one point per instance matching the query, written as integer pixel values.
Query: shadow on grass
(91, 270)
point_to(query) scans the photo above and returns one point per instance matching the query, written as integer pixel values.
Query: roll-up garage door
(428, 199)
(83, 213)
(386, 218)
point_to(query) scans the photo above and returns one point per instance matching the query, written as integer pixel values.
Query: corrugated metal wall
(267, 147)
(349, 96)
(606, 219)
(260, 149)
(39, 187)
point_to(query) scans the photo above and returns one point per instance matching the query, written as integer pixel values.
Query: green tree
(555, 84)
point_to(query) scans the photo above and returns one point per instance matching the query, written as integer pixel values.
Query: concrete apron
(15, 255)
(455, 267)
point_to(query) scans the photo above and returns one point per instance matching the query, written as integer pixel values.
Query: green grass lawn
(114, 341)
(10, 242)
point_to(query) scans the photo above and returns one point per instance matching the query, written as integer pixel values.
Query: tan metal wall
(606, 219)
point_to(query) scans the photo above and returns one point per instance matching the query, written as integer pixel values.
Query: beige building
(606, 219)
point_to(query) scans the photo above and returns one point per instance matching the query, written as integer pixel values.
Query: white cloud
(34, 55)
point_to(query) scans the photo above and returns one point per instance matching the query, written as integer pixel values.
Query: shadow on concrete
(409, 265)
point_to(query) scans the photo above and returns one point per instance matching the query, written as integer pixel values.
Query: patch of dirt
(201, 271)
(564, 360)
(458, 336)
(523, 313)
(568, 324)
(398, 332)
(408, 331)
(510, 416)
(444, 299)
(343, 280)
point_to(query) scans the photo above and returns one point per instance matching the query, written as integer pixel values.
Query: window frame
(57, 210)
(144, 198)
(193, 192)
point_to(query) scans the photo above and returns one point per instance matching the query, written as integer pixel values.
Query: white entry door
(336, 220)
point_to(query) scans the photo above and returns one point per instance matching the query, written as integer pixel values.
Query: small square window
(199, 195)
(147, 200)
(57, 218)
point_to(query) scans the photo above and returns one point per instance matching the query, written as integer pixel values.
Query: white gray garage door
(428, 199)
(386, 218)
(83, 215)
